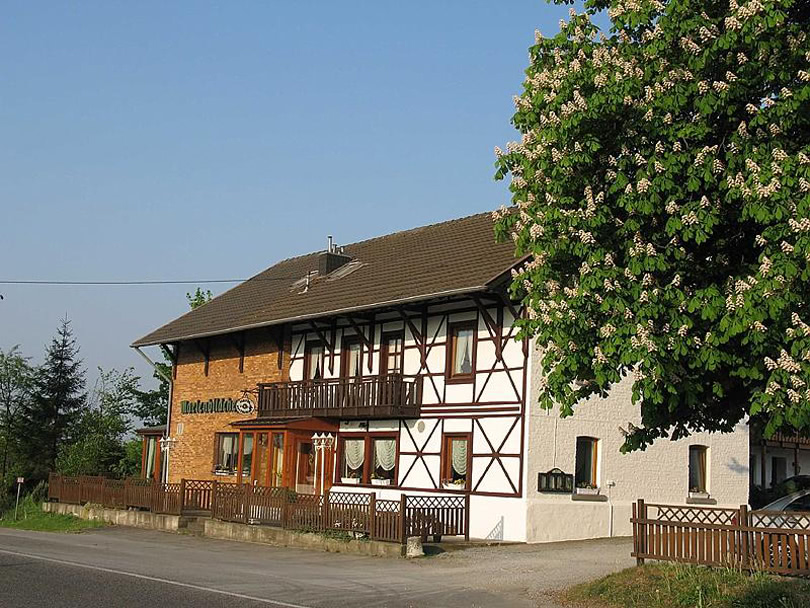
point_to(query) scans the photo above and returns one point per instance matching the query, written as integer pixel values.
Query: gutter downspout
(165, 472)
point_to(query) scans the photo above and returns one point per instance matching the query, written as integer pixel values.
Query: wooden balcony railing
(386, 396)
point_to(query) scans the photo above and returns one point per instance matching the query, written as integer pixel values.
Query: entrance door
(305, 467)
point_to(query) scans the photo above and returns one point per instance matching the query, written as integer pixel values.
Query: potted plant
(379, 480)
(454, 484)
(351, 478)
(586, 489)
(698, 493)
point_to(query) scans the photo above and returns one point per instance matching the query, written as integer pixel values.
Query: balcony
(387, 396)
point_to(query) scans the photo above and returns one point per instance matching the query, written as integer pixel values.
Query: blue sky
(193, 140)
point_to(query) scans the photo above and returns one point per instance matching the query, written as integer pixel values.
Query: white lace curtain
(459, 459)
(355, 453)
(385, 454)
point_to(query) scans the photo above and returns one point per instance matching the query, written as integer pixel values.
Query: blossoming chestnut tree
(661, 196)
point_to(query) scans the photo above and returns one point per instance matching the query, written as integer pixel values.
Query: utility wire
(146, 282)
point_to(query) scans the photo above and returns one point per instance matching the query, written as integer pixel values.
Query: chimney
(331, 259)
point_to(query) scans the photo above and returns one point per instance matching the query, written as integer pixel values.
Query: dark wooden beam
(359, 331)
(322, 337)
(204, 346)
(238, 341)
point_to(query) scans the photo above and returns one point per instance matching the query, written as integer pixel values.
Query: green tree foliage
(130, 463)
(16, 381)
(662, 196)
(199, 297)
(49, 419)
(98, 448)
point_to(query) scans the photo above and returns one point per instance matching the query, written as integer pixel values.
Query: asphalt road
(128, 567)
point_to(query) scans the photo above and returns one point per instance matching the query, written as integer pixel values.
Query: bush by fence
(354, 512)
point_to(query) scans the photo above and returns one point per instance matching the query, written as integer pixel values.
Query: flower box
(350, 481)
(699, 495)
(380, 482)
(447, 485)
(586, 491)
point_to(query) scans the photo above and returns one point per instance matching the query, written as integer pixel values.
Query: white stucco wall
(658, 474)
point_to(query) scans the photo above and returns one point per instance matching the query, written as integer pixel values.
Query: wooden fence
(169, 498)
(354, 512)
(771, 541)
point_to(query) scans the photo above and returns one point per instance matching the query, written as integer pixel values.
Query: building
(391, 365)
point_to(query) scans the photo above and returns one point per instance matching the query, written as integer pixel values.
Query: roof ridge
(414, 229)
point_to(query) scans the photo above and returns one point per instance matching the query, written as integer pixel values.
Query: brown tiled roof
(452, 257)
(152, 430)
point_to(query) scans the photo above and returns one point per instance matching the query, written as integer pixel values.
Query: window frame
(452, 342)
(368, 457)
(594, 477)
(236, 453)
(308, 346)
(386, 337)
(446, 461)
(704, 473)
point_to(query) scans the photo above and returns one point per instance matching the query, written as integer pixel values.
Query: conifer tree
(49, 418)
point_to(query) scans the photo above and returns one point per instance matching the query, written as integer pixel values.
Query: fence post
(403, 526)
(372, 515)
(285, 510)
(326, 521)
(641, 512)
(214, 498)
(182, 495)
(82, 483)
(104, 492)
(467, 516)
(743, 547)
(126, 493)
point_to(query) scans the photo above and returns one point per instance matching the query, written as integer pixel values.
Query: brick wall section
(192, 456)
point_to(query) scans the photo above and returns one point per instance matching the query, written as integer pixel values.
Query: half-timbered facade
(392, 366)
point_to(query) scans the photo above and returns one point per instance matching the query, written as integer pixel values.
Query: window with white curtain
(354, 459)
(384, 452)
(227, 452)
(461, 352)
(455, 461)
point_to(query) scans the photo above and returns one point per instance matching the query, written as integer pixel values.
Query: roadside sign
(21, 480)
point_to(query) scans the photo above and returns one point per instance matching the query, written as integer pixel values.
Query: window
(698, 480)
(800, 504)
(351, 358)
(369, 460)
(354, 460)
(456, 461)
(227, 452)
(247, 455)
(277, 460)
(384, 460)
(149, 457)
(461, 352)
(586, 461)
(778, 469)
(313, 361)
(391, 354)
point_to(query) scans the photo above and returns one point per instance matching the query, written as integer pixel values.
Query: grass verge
(680, 586)
(30, 516)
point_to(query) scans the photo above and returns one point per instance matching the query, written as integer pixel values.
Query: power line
(145, 282)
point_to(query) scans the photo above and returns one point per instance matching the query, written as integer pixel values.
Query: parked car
(797, 501)
(791, 485)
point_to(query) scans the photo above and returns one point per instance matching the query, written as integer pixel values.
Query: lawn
(31, 517)
(679, 586)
